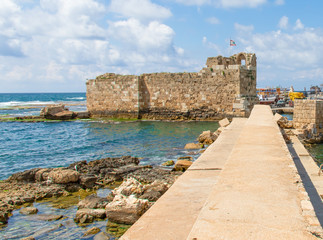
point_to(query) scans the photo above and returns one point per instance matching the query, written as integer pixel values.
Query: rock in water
(28, 211)
(63, 176)
(194, 146)
(126, 210)
(57, 112)
(169, 163)
(92, 231)
(86, 215)
(182, 165)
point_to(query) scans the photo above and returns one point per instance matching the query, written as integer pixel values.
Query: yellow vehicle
(296, 95)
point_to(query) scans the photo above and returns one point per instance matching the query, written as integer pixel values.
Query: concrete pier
(242, 187)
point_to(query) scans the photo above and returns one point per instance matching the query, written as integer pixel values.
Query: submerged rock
(48, 217)
(28, 211)
(169, 163)
(92, 231)
(193, 146)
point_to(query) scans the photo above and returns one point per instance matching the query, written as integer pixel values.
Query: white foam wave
(30, 103)
(77, 98)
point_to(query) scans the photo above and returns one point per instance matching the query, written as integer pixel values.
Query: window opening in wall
(243, 62)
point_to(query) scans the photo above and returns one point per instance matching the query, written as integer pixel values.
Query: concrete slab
(174, 214)
(255, 196)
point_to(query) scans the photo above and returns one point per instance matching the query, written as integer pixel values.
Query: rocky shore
(138, 187)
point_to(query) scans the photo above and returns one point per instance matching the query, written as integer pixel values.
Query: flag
(232, 43)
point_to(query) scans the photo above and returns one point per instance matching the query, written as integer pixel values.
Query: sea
(26, 145)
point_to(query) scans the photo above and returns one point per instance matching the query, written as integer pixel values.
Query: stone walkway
(242, 187)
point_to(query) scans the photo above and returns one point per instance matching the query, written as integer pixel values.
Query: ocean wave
(77, 98)
(28, 103)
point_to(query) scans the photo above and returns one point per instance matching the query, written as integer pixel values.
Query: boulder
(62, 176)
(27, 176)
(224, 122)
(169, 163)
(64, 115)
(188, 158)
(87, 215)
(28, 211)
(42, 174)
(57, 112)
(154, 190)
(194, 146)
(207, 137)
(128, 187)
(182, 165)
(283, 122)
(126, 210)
(93, 201)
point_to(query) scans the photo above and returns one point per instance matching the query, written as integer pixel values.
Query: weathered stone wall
(223, 88)
(113, 95)
(308, 112)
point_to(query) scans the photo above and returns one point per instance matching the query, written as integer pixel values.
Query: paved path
(242, 187)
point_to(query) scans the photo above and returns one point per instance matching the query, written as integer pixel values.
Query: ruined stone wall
(189, 95)
(223, 89)
(308, 112)
(113, 95)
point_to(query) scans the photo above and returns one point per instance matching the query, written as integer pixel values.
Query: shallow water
(30, 145)
(20, 226)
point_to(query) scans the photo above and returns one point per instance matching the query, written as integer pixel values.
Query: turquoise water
(54, 144)
(29, 145)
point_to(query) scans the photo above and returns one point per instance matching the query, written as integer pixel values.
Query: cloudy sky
(56, 45)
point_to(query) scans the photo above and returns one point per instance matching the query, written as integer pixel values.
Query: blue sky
(55, 45)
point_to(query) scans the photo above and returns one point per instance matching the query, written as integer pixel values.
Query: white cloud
(213, 20)
(48, 41)
(292, 56)
(283, 22)
(139, 9)
(225, 3)
(155, 35)
(298, 25)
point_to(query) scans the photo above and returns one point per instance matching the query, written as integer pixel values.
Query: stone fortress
(225, 88)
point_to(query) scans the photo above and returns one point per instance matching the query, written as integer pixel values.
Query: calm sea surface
(53, 144)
